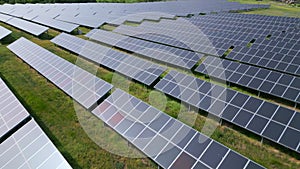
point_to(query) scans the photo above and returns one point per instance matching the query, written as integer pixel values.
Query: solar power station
(169, 142)
(4, 32)
(243, 70)
(23, 142)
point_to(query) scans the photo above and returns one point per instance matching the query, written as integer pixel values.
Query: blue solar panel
(256, 115)
(263, 80)
(167, 141)
(168, 55)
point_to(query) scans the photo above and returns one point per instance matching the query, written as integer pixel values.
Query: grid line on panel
(271, 60)
(11, 113)
(4, 32)
(51, 66)
(138, 69)
(237, 108)
(275, 80)
(26, 146)
(288, 124)
(177, 40)
(114, 105)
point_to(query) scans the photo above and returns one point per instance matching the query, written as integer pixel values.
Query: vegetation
(54, 111)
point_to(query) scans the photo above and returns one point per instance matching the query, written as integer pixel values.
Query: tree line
(70, 1)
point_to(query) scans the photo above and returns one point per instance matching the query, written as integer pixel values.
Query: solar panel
(60, 25)
(19, 11)
(168, 55)
(4, 18)
(267, 59)
(12, 112)
(263, 80)
(133, 67)
(27, 26)
(289, 48)
(82, 86)
(167, 141)
(93, 15)
(253, 114)
(4, 32)
(29, 147)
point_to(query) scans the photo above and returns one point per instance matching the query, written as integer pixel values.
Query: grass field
(276, 8)
(54, 111)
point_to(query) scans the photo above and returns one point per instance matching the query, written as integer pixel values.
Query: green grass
(276, 8)
(54, 112)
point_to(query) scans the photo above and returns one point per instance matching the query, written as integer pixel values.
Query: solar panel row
(169, 142)
(190, 38)
(283, 23)
(4, 32)
(228, 33)
(217, 37)
(208, 31)
(29, 147)
(11, 111)
(266, 59)
(168, 55)
(133, 67)
(94, 14)
(266, 119)
(27, 26)
(285, 48)
(25, 145)
(82, 86)
(82, 20)
(138, 18)
(4, 18)
(263, 80)
(249, 22)
(63, 26)
(252, 29)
